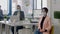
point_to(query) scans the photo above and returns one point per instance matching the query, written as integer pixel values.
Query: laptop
(14, 18)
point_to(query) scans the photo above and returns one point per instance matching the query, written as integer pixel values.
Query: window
(38, 4)
(44, 3)
(4, 6)
(14, 4)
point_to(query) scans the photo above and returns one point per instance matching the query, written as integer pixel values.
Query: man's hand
(42, 30)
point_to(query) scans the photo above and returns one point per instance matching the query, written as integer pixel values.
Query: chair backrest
(52, 30)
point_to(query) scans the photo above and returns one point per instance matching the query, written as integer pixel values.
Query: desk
(7, 25)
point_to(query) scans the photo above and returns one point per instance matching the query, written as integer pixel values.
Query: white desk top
(3, 22)
(17, 23)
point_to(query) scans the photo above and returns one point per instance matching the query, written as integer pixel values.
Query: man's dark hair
(18, 5)
(46, 9)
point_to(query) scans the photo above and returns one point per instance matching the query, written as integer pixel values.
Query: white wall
(54, 5)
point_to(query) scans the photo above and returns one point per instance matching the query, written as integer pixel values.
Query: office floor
(57, 29)
(22, 31)
(29, 31)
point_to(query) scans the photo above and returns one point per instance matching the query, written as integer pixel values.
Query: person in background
(44, 25)
(21, 15)
(1, 14)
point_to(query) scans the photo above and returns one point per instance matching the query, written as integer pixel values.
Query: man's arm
(1, 12)
(22, 16)
(15, 13)
(49, 25)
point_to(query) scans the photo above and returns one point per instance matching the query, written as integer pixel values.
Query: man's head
(18, 7)
(45, 10)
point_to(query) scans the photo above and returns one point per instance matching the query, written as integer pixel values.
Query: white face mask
(43, 13)
(18, 10)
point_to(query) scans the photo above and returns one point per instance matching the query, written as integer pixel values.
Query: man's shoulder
(22, 11)
(48, 17)
(16, 11)
(0, 9)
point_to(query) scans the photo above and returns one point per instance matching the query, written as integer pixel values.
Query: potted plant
(5, 17)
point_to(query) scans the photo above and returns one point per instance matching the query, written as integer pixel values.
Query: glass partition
(29, 6)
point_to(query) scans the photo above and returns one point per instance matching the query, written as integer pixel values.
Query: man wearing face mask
(19, 13)
(44, 25)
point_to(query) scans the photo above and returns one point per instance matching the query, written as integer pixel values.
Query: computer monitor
(14, 18)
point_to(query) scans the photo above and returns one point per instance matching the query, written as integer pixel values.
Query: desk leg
(31, 29)
(15, 30)
(8, 29)
(0, 28)
(5, 29)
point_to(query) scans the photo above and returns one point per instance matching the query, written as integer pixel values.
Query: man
(21, 15)
(44, 25)
(21, 12)
(1, 14)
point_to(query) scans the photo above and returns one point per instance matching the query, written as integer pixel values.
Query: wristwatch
(45, 30)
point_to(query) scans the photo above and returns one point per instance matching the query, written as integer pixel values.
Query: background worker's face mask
(18, 9)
